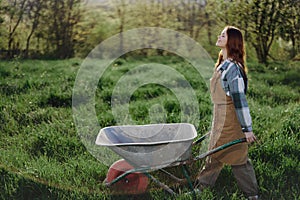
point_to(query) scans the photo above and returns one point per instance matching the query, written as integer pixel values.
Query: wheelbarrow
(145, 148)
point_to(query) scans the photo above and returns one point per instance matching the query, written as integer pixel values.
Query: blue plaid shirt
(234, 86)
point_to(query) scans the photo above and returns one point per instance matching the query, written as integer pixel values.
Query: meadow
(42, 156)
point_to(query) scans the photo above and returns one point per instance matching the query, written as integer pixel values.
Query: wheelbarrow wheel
(133, 183)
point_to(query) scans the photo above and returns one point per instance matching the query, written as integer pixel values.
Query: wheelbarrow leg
(165, 187)
(187, 176)
(172, 176)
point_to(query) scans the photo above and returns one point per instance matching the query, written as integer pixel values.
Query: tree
(2, 27)
(34, 11)
(193, 16)
(14, 11)
(62, 17)
(289, 28)
(266, 19)
(139, 13)
(51, 22)
(259, 19)
(122, 11)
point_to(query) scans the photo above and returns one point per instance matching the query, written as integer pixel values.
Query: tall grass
(42, 157)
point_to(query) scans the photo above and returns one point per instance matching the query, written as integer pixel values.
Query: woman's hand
(250, 137)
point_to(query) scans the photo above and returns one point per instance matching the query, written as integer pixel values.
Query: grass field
(42, 157)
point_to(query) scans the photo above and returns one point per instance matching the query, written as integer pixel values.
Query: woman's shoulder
(229, 65)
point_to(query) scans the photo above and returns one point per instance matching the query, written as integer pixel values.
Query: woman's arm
(236, 88)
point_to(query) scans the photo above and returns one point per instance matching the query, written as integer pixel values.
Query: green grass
(42, 156)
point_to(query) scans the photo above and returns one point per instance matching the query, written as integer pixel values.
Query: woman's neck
(224, 53)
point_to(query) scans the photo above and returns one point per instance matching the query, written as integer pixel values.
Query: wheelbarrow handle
(201, 138)
(224, 146)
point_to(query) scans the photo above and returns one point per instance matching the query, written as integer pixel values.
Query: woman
(231, 118)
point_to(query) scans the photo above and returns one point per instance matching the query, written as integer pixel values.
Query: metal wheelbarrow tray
(150, 147)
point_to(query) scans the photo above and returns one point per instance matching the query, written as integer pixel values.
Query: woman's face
(222, 39)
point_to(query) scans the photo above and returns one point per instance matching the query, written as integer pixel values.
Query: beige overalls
(226, 128)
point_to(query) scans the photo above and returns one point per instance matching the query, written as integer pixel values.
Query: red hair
(235, 47)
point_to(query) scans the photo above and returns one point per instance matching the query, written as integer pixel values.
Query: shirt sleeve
(236, 88)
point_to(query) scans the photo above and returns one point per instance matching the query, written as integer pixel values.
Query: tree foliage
(289, 27)
(68, 28)
(65, 15)
(263, 22)
(50, 22)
